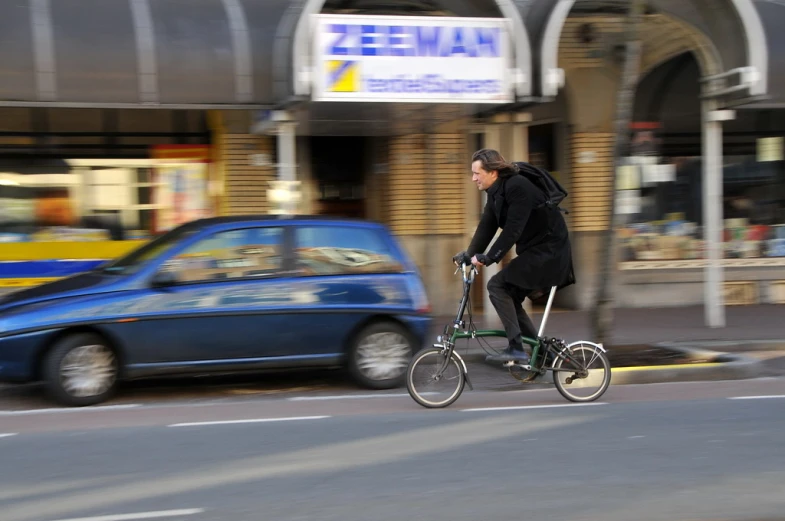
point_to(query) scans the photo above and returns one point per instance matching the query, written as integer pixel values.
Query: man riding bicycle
(542, 245)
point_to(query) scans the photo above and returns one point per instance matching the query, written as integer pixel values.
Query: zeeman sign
(415, 59)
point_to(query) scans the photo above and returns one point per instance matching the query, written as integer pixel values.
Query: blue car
(222, 295)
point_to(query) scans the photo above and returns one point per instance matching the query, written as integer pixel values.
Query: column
(247, 169)
(492, 139)
(286, 188)
(519, 151)
(712, 212)
(287, 160)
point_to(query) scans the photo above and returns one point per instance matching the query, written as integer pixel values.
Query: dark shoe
(510, 354)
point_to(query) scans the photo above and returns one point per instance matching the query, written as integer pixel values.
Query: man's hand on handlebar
(480, 260)
(461, 258)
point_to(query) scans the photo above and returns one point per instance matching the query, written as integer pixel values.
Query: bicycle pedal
(513, 364)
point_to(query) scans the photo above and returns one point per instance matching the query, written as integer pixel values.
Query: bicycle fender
(463, 364)
(465, 370)
(598, 346)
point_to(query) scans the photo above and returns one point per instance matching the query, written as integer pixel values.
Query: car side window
(249, 252)
(342, 250)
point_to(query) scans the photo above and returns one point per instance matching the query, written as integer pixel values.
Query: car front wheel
(81, 369)
(380, 355)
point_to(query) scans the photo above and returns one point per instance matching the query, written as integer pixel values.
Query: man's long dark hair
(491, 160)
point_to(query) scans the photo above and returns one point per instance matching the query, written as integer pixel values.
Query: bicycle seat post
(547, 312)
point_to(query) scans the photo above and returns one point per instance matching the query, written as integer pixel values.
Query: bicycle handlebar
(468, 275)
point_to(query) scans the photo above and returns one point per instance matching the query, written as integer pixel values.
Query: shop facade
(279, 139)
(699, 192)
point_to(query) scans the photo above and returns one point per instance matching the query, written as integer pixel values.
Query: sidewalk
(653, 325)
(744, 326)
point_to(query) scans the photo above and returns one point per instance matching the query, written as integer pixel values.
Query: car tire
(379, 355)
(81, 369)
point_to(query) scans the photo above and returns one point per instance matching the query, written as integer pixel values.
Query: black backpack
(542, 179)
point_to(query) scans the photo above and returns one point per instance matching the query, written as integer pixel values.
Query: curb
(740, 346)
(723, 365)
(720, 365)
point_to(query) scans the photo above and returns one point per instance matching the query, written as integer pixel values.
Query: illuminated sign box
(411, 59)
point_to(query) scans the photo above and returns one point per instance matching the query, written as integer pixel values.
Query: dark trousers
(508, 299)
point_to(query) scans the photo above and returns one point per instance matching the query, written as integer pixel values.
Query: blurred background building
(120, 119)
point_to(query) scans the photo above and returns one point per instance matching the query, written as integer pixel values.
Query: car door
(345, 273)
(226, 303)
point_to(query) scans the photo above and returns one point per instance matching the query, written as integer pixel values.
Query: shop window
(250, 252)
(332, 250)
(120, 200)
(99, 200)
(661, 207)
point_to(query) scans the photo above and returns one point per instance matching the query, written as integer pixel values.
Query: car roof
(266, 218)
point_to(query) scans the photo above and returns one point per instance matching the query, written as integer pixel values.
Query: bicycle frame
(456, 331)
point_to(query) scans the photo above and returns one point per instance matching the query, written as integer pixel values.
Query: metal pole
(712, 213)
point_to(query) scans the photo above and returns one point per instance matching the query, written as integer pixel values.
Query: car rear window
(343, 250)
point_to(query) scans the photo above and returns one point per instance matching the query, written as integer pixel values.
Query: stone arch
(679, 37)
(593, 70)
(663, 38)
(716, 52)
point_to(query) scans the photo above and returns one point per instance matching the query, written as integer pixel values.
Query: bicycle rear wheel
(591, 377)
(428, 386)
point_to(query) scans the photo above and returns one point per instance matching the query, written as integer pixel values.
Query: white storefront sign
(411, 59)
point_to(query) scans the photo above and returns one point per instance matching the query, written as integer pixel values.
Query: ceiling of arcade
(595, 41)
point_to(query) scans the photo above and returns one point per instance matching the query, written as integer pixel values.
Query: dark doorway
(542, 146)
(338, 166)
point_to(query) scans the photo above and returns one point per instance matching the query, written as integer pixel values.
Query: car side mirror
(164, 278)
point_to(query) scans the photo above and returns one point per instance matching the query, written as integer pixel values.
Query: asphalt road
(654, 452)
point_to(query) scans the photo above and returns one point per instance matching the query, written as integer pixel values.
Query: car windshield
(155, 248)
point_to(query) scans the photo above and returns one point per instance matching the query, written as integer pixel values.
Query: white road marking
(71, 409)
(254, 420)
(767, 397)
(7, 434)
(140, 515)
(350, 396)
(521, 407)
(634, 437)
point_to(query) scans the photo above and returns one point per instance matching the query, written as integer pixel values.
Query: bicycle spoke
(595, 355)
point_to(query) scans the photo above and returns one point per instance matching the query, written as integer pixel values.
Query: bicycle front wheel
(591, 377)
(428, 385)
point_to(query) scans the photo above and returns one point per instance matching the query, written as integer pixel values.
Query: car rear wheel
(81, 369)
(380, 354)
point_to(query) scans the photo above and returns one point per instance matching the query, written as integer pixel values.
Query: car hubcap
(382, 356)
(88, 370)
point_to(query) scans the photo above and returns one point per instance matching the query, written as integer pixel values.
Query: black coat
(542, 243)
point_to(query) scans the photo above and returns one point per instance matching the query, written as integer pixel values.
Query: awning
(171, 53)
(137, 52)
(248, 53)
